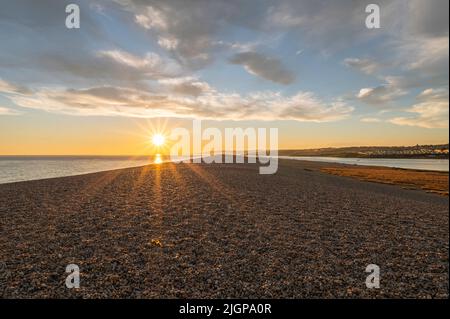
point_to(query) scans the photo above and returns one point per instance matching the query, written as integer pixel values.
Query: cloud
(380, 95)
(432, 111)
(88, 67)
(308, 107)
(196, 25)
(282, 16)
(207, 104)
(6, 87)
(370, 120)
(8, 111)
(268, 68)
(186, 28)
(152, 18)
(238, 46)
(326, 26)
(366, 66)
(115, 67)
(150, 61)
(44, 51)
(168, 43)
(9, 89)
(149, 67)
(426, 58)
(190, 29)
(429, 18)
(183, 36)
(186, 86)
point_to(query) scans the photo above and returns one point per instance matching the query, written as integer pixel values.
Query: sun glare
(158, 140)
(158, 159)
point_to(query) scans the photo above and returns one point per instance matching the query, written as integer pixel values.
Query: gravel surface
(221, 231)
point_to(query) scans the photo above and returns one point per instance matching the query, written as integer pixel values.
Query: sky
(310, 68)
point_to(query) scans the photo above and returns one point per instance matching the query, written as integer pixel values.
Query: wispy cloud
(431, 111)
(364, 65)
(186, 86)
(7, 87)
(209, 104)
(370, 120)
(8, 111)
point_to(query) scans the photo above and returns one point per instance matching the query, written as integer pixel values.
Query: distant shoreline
(379, 157)
(440, 151)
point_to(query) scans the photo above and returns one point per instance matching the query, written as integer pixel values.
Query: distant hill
(418, 151)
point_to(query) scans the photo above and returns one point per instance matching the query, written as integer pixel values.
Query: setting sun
(158, 140)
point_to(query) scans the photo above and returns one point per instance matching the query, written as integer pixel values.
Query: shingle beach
(221, 231)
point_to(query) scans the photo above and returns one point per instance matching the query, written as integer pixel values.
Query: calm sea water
(407, 163)
(15, 169)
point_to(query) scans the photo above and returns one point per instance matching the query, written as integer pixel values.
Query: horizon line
(165, 153)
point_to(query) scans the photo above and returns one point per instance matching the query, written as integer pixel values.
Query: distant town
(417, 151)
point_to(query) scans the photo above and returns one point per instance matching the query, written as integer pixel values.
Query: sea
(25, 168)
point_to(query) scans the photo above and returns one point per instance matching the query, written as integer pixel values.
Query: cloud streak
(366, 66)
(432, 111)
(7, 87)
(206, 103)
(8, 111)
